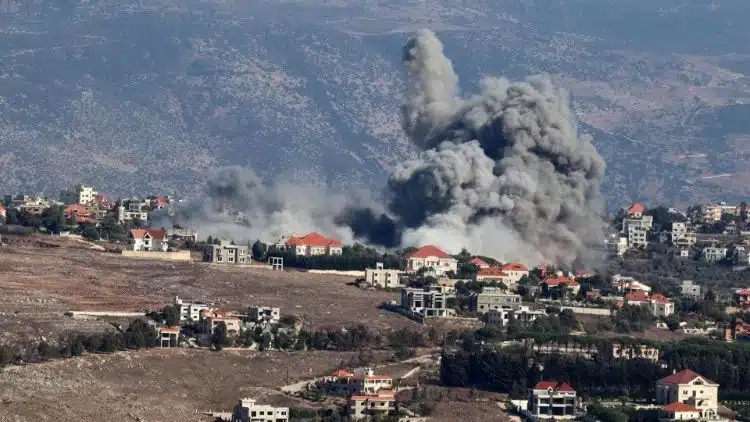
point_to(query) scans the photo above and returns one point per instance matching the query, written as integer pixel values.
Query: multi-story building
(182, 234)
(714, 254)
(690, 289)
(365, 407)
(313, 244)
(247, 410)
(79, 194)
(493, 299)
(522, 314)
(432, 259)
(132, 209)
(493, 274)
(553, 400)
(226, 253)
(713, 212)
(683, 235)
(692, 389)
(264, 314)
(430, 301)
(384, 278)
(616, 245)
(169, 336)
(637, 236)
(658, 304)
(151, 240)
(515, 271)
(646, 222)
(190, 311)
(362, 382)
(211, 318)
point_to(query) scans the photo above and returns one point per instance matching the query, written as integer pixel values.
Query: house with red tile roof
(479, 262)
(686, 393)
(493, 274)
(515, 271)
(433, 259)
(553, 400)
(660, 305)
(636, 210)
(553, 284)
(148, 239)
(363, 382)
(313, 244)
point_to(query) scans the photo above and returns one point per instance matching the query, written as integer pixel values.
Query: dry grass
(153, 385)
(38, 284)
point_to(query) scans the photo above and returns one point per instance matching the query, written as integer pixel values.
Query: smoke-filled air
(503, 172)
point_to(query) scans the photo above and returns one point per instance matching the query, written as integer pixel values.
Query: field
(38, 283)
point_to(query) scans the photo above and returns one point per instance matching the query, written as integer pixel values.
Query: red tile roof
(684, 377)
(170, 330)
(637, 209)
(584, 273)
(429, 251)
(77, 209)
(556, 281)
(479, 262)
(492, 272)
(314, 239)
(154, 233)
(678, 407)
(341, 373)
(512, 266)
(659, 298)
(557, 386)
(743, 292)
(637, 296)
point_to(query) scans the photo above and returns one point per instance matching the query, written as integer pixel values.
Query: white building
(714, 254)
(383, 277)
(742, 255)
(646, 222)
(190, 311)
(688, 395)
(430, 301)
(553, 400)
(522, 314)
(247, 410)
(683, 235)
(688, 288)
(135, 210)
(151, 240)
(79, 194)
(492, 298)
(433, 259)
(616, 244)
(365, 407)
(637, 236)
(313, 244)
(658, 304)
(361, 382)
(515, 271)
(265, 314)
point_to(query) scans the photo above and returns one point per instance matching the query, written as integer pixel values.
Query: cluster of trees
(513, 371)
(138, 335)
(597, 413)
(353, 258)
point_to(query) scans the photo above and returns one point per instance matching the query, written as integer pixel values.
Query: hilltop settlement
(660, 331)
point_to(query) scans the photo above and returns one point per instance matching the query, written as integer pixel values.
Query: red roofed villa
(687, 395)
(636, 210)
(493, 274)
(545, 393)
(313, 244)
(660, 305)
(554, 283)
(515, 271)
(479, 262)
(433, 259)
(152, 240)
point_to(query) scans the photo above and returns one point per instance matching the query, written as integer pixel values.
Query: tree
(90, 232)
(171, 314)
(219, 337)
(259, 250)
(568, 319)
(210, 240)
(673, 322)
(53, 219)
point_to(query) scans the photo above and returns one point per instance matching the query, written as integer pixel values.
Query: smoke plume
(503, 172)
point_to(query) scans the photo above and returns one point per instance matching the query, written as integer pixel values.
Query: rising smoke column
(503, 172)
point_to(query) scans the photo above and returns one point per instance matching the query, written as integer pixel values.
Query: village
(440, 309)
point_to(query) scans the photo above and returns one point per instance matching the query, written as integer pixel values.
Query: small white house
(151, 240)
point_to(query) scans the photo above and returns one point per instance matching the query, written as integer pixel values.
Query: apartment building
(313, 244)
(683, 235)
(491, 298)
(190, 311)
(79, 194)
(150, 240)
(434, 260)
(366, 407)
(248, 410)
(690, 289)
(383, 277)
(264, 314)
(132, 209)
(645, 222)
(553, 400)
(637, 236)
(226, 253)
(712, 212)
(430, 301)
(687, 392)
(714, 254)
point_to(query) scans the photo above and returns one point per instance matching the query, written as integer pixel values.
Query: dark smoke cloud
(503, 172)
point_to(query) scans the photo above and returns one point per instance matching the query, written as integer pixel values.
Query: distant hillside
(147, 97)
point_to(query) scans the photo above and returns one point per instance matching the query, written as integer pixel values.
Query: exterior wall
(483, 302)
(162, 256)
(714, 254)
(428, 302)
(248, 411)
(588, 311)
(439, 266)
(383, 278)
(662, 309)
(233, 325)
(265, 313)
(150, 244)
(554, 404)
(361, 407)
(226, 254)
(702, 396)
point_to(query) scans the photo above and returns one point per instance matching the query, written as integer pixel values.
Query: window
(219, 258)
(231, 258)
